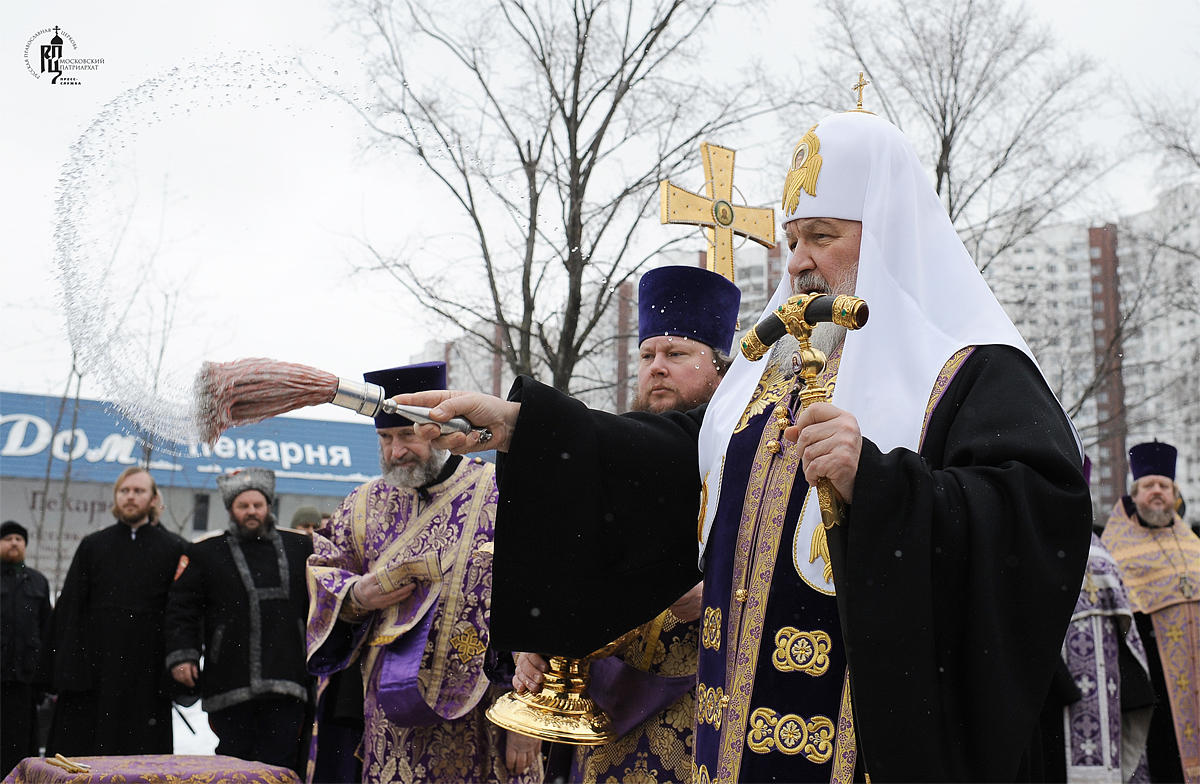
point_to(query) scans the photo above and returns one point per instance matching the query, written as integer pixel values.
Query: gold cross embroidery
(716, 210)
(1174, 634)
(468, 644)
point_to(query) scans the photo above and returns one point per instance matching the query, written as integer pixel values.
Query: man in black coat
(103, 652)
(24, 613)
(241, 601)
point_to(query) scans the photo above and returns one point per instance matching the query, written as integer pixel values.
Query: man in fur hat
(240, 601)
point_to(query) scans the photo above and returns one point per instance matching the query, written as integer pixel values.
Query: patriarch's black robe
(104, 652)
(956, 570)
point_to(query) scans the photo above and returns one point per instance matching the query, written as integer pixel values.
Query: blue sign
(309, 457)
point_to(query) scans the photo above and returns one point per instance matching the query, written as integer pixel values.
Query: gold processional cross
(717, 212)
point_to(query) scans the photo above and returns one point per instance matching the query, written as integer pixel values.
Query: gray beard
(1154, 517)
(415, 475)
(828, 336)
(812, 281)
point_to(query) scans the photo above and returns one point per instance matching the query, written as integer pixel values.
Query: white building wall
(1045, 285)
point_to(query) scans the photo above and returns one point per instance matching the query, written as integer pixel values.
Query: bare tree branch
(550, 125)
(986, 100)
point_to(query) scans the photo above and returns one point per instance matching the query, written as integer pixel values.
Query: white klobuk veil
(927, 299)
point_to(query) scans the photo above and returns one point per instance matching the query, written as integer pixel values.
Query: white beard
(414, 475)
(825, 338)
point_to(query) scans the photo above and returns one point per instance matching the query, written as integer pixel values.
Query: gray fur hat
(233, 485)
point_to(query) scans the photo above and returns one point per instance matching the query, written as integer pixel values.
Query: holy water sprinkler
(251, 390)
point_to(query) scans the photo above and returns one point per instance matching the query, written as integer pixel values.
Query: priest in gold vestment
(1159, 558)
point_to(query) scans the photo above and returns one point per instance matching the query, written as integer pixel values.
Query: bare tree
(550, 125)
(1168, 127)
(1163, 388)
(987, 100)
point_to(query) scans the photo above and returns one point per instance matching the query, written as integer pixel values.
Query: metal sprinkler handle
(369, 399)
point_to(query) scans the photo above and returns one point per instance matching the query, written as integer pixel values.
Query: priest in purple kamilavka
(399, 587)
(1159, 559)
(686, 322)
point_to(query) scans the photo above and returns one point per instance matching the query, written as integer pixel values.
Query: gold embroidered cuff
(351, 611)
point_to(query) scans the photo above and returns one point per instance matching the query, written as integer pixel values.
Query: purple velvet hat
(403, 380)
(1153, 459)
(688, 302)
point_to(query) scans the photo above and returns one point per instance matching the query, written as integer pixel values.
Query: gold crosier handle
(847, 311)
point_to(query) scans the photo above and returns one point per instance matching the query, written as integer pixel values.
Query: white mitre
(926, 297)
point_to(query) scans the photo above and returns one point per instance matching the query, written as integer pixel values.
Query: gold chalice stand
(562, 711)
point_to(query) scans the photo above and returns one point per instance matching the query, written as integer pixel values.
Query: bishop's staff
(798, 316)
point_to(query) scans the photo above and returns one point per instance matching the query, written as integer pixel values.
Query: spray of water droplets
(104, 294)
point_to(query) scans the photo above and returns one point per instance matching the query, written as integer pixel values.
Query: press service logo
(46, 55)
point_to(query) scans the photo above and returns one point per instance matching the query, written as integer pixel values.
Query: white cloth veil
(927, 299)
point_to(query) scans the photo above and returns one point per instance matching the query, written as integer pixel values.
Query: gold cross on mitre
(859, 86)
(717, 212)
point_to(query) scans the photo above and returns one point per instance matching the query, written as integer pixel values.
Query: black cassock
(104, 654)
(956, 570)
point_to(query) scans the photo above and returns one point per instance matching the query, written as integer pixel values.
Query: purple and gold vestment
(425, 690)
(659, 748)
(1161, 571)
(772, 693)
(1103, 741)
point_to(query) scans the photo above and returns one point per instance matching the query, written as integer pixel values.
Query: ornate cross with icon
(716, 210)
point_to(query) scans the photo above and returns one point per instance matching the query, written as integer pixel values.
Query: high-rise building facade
(1110, 312)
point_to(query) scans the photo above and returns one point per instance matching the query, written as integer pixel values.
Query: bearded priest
(918, 640)
(1159, 557)
(400, 586)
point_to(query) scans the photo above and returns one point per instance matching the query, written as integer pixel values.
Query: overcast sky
(256, 209)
